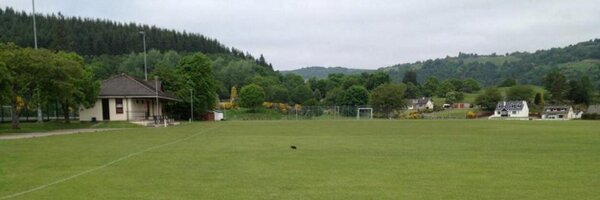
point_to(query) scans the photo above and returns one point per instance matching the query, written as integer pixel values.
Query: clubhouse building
(125, 98)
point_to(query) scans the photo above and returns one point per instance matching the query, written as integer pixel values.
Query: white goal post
(370, 110)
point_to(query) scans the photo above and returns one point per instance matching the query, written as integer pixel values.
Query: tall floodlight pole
(145, 63)
(39, 110)
(34, 28)
(192, 105)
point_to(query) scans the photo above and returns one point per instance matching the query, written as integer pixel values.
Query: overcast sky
(354, 33)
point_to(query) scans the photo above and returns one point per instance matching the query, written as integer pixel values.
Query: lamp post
(35, 45)
(191, 105)
(145, 63)
(34, 28)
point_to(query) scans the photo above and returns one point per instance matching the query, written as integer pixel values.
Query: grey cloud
(354, 33)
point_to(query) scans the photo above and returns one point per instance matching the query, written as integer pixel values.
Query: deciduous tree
(252, 97)
(377, 79)
(388, 97)
(489, 99)
(355, 95)
(454, 97)
(470, 85)
(431, 86)
(300, 94)
(445, 87)
(195, 73)
(520, 93)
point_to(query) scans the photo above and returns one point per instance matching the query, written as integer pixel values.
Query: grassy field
(380, 159)
(28, 127)
(260, 114)
(272, 114)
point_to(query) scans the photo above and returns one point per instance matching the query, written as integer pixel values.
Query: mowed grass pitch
(420, 159)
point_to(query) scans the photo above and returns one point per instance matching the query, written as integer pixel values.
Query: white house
(125, 98)
(558, 112)
(511, 110)
(424, 103)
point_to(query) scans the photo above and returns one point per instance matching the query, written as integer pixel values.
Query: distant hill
(527, 68)
(322, 72)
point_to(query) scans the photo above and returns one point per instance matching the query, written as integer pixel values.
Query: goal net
(364, 113)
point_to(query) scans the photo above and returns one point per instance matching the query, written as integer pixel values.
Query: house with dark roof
(558, 112)
(125, 98)
(423, 103)
(511, 110)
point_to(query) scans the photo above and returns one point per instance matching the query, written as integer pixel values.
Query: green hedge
(591, 116)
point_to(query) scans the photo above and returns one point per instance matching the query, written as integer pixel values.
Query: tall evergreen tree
(410, 76)
(556, 83)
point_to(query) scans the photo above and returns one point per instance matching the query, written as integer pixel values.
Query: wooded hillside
(574, 61)
(93, 37)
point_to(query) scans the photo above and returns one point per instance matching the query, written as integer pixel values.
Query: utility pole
(145, 62)
(40, 117)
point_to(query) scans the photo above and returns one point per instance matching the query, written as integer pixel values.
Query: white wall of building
(95, 111)
(133, 109)
(568, 116)
(429, 105)
(113, 110)
(524, 113)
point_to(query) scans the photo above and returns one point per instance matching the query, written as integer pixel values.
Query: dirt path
(15, 136)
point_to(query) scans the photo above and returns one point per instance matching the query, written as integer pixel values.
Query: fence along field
(340, 113)
(53, 112)
(49, 112)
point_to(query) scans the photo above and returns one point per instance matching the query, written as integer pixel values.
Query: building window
(119, 106)
(514, 112)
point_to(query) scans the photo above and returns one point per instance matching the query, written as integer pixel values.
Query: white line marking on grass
(105, 165)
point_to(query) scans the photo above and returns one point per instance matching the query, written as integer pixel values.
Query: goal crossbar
(360, 109)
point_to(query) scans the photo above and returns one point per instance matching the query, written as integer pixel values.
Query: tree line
(97, 37)
(30, 78)
(365, 89)
(574, 61)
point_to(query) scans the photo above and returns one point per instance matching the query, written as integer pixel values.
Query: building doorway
(105, 110)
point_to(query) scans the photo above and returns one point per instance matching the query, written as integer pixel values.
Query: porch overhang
(139, 97)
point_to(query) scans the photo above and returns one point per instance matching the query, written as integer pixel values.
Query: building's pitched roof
(510, 105)
(557, 109)
(593, 109)
(127, 86)
(419, 102)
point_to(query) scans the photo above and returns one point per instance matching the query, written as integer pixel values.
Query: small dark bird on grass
(293, 147)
